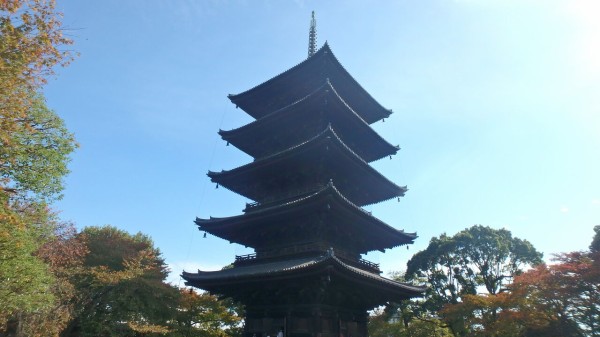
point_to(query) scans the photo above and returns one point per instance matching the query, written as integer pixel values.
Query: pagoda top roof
(245, 137)
(243, 229)
(378, 186)
(283, 269)
(302, 79)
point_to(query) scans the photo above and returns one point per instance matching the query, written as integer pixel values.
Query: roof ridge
(319, 52)
(355, 81)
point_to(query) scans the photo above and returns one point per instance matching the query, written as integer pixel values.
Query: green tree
(204, 315)
(474, 260)
(34, 160)
(34, 144)
(383, 323)
(63, 254)
(34, 152)
(406, 318)
(31, 45)
(560, 299)
(122, 292)
(32, 166)
(556, 300)
(25, 280)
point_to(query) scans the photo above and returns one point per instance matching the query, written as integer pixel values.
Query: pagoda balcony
(304, 249)
(244, 258)
(363, 264)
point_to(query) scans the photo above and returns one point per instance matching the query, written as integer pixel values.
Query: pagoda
(312, 143)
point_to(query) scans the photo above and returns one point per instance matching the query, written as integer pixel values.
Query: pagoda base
(305, 321)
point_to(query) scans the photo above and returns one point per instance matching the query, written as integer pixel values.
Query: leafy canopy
(122, 291)
(559, 299)
(34, 144)
(476, 259)
(62, 253)
(204, 315)
(564, 297)
(25, 280)
(384, 323)
(34, 152)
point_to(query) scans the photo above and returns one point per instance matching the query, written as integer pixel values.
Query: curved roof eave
(281, 268)
(279, 155)
(215, 225)
(392, 190)
(323, 52)
(327, 88)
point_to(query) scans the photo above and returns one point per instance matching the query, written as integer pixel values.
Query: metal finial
(312, 36)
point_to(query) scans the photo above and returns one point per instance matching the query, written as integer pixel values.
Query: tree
(34, 151)
(204, 315)
(406, 318)
(595, 245)
(31, 45)
(63, 253)
(474, 260)
(560, 299)
(503, 314)
(563, 298)
(32, 165)
(122, 291)
(25, 280)
(35, 154)
(383, 323)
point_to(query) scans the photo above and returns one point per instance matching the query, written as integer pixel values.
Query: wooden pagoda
(312, 143)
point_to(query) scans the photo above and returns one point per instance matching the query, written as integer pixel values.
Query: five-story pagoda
(312, 144)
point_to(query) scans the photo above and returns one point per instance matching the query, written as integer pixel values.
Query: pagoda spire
(312, 36)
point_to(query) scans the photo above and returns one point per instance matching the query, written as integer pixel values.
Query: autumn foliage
(484, 282)
(54, 279)
(557, 299)
(32, 43)
(102, 281)
(34, 143)
(34, 152)
(477, 259)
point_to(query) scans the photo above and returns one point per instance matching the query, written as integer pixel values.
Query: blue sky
(496, 108)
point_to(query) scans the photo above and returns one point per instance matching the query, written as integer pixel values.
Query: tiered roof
(323, 106)
(324, 157)
(312, 144)
(357, 227)
(304, 78)
(374, 289)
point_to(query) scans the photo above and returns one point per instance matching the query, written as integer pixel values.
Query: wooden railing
(370, 264)
(247, 257)
(310, 247)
